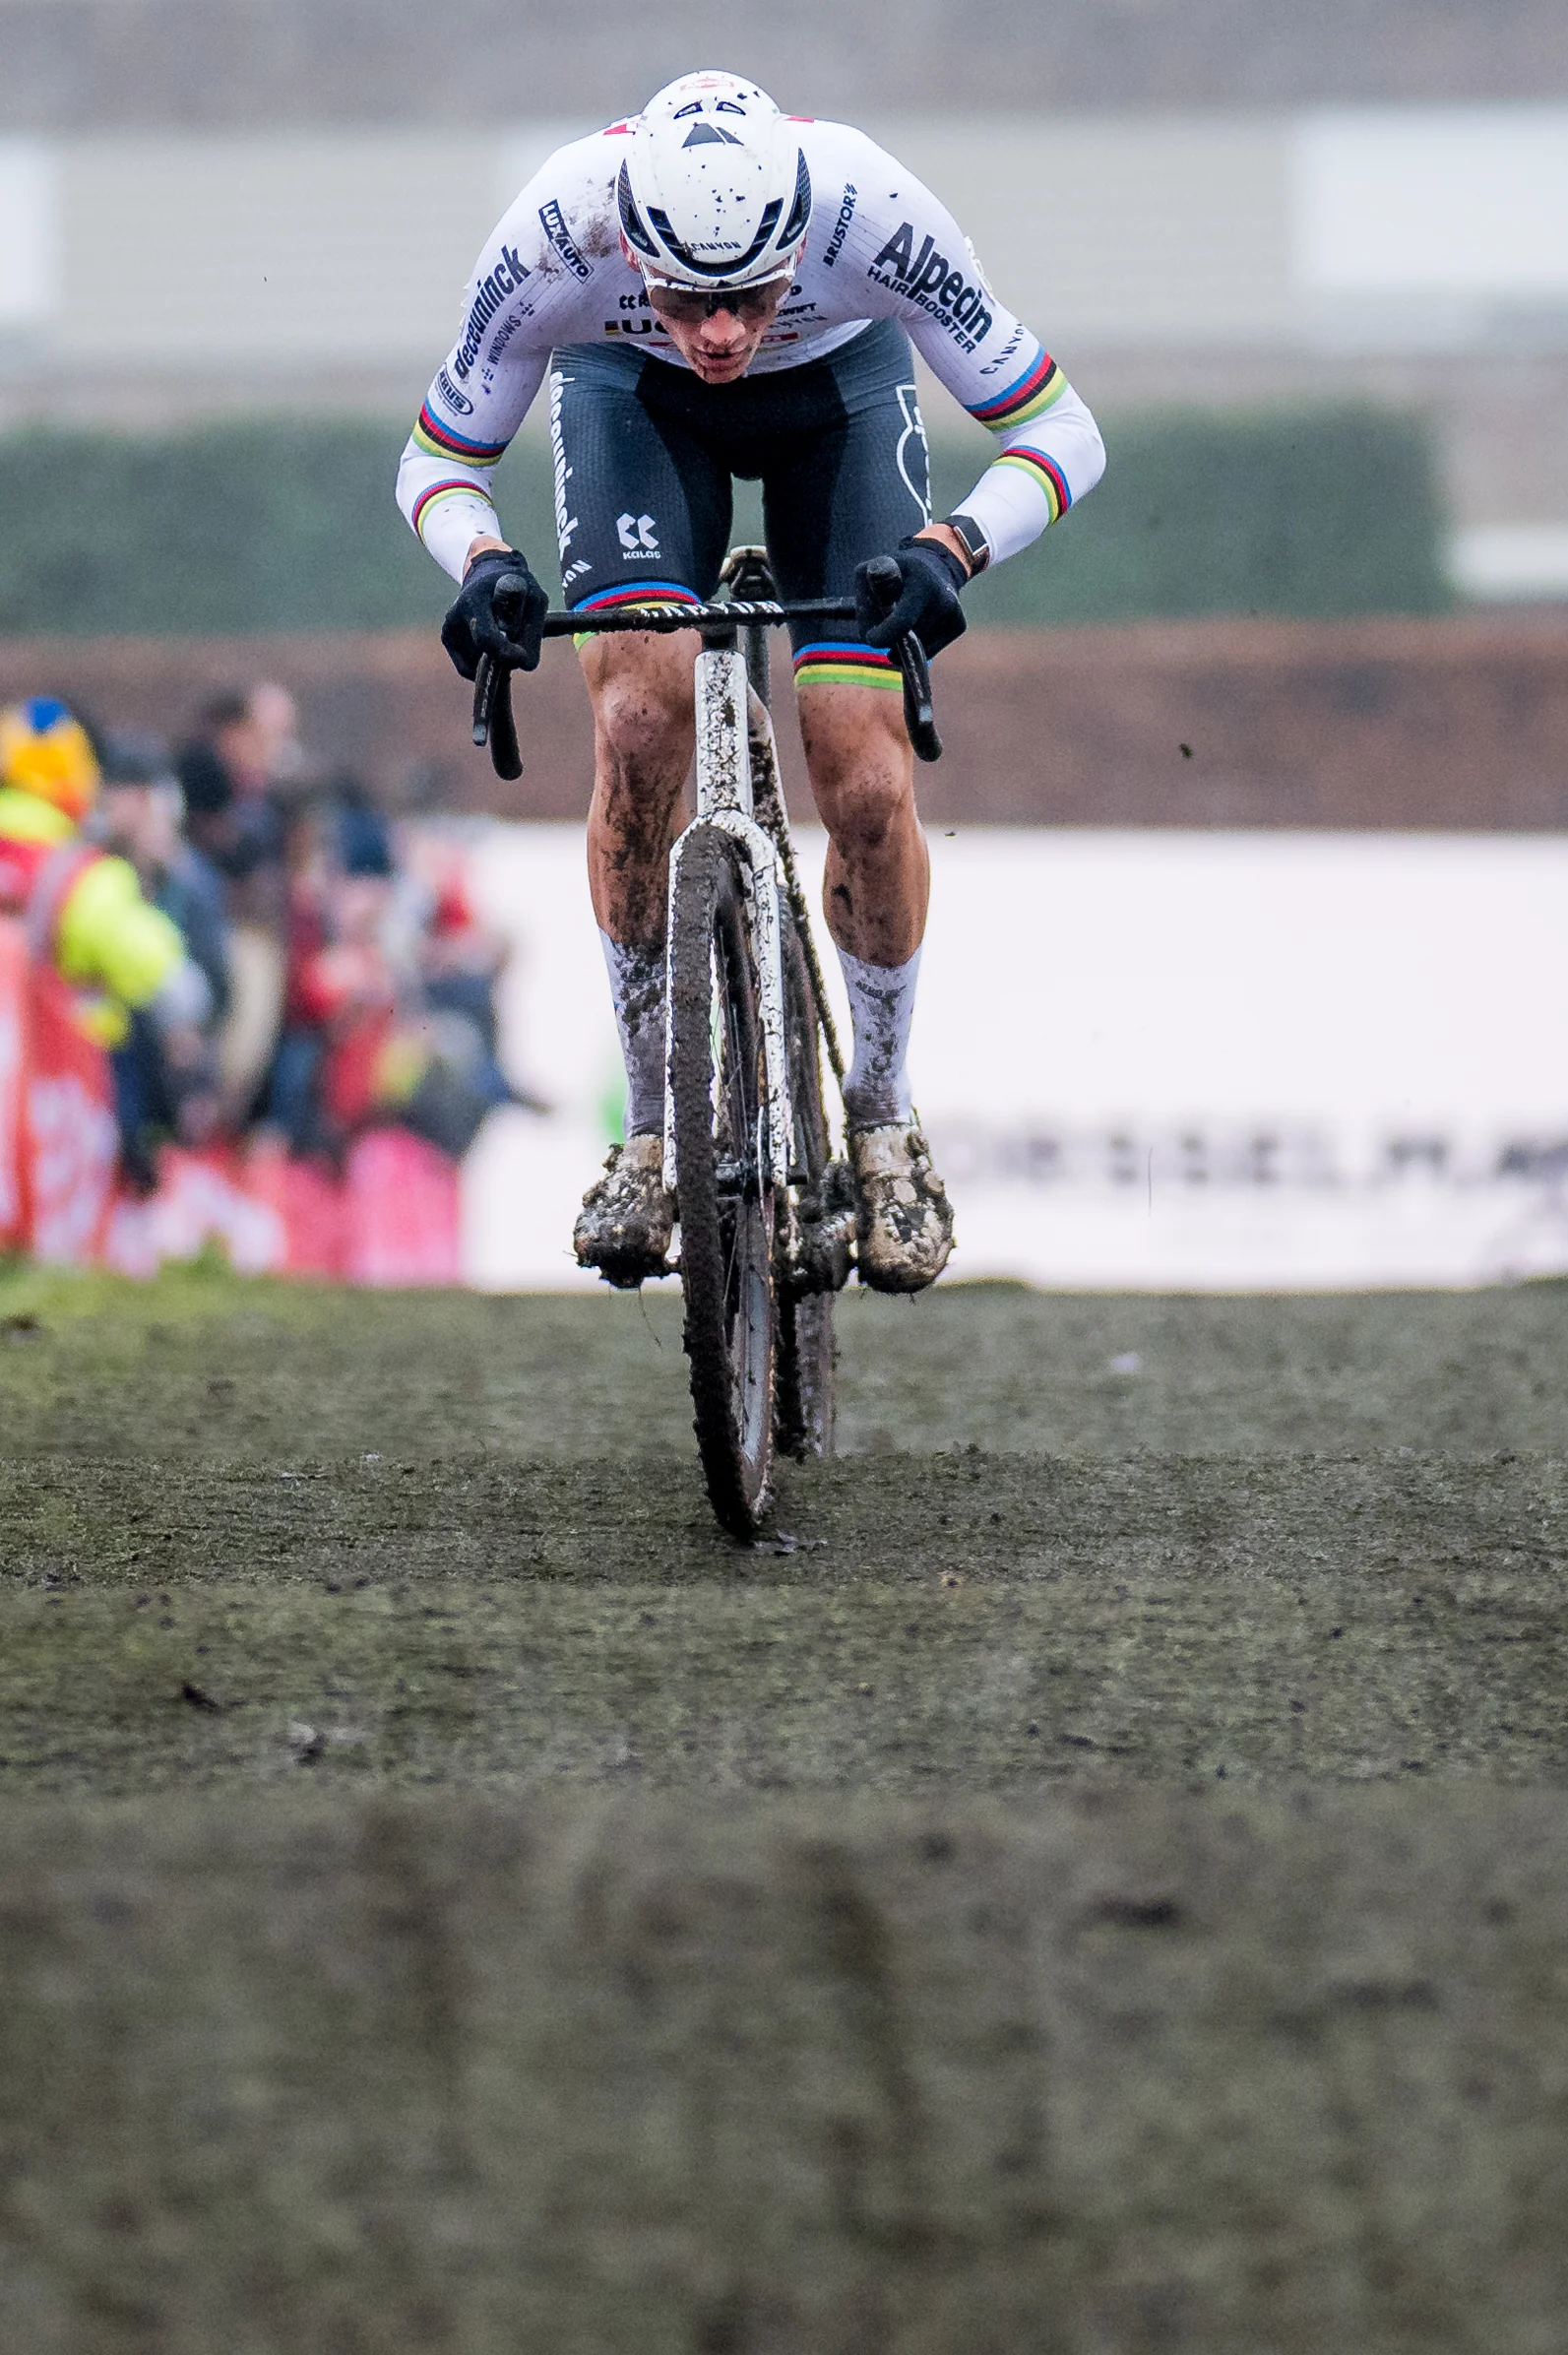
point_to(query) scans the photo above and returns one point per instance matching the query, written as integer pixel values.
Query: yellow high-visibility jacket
(84, 912)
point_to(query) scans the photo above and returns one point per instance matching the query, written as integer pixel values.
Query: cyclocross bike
(766, 1211)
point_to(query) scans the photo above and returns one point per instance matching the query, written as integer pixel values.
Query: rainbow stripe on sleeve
(441, 491)
(1041, 384)
(840, 663)
(1046, 473)
(438, 441)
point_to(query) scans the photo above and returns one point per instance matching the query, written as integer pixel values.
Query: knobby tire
(726, 1194)
(803, 1414)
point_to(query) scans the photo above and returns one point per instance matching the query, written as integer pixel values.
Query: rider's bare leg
(640, 689)
(862, 775)
(875, 893)
(644, 735)
(878, 876)
(877, 881)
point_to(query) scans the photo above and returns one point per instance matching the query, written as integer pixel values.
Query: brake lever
(919, 719)
(493, 722)
(919, 716)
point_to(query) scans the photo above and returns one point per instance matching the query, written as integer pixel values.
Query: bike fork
(723, 801)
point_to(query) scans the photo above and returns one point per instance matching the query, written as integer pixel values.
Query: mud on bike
(765, 1209)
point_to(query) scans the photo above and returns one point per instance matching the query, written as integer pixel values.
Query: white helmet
(715, 190)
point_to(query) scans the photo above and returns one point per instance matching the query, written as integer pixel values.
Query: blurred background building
(219, 206)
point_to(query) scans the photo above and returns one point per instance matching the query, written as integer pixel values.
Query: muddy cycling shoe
(904, 1224)
(627, 1219)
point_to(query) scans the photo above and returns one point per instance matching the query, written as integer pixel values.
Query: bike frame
(729, 716)
(725, 800)
(767, 1229)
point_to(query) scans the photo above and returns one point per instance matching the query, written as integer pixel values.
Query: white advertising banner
(1147, 1059)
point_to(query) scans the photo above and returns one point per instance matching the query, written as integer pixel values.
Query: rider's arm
(1051, 454)
(524, 297)
(920, 268)
(443, 478)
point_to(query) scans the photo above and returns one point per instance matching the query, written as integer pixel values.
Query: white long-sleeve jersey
(879, 246)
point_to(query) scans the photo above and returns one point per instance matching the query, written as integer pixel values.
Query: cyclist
(715, 290)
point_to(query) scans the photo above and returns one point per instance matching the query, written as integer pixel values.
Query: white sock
(636, 972)
(882, 1002)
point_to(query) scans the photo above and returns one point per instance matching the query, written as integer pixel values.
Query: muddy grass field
(1095, 1877)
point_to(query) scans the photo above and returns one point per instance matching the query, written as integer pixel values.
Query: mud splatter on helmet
(715, 190)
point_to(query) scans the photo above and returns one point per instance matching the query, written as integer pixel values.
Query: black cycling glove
(473, 626)
(930, 577)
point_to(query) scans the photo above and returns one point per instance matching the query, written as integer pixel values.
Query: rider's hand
(473, 626)
(930, 577)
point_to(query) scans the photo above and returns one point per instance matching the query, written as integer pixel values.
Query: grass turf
(1118, 2076)
(457, 1538)
(1052, 1898)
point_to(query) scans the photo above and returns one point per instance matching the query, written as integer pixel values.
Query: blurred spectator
(140, 816)
(372, 1036)
(293, 955)
(137, 816)
(85, 909)
(353, 974)
(458, 962)
(342, 989)
(238, 772)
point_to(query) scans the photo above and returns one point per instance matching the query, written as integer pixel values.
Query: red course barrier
(391, 1218)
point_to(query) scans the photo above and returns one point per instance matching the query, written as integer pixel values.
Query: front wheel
(723, 1177)
(803, 1418)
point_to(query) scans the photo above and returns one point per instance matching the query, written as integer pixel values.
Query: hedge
(265, 524)
(1313, 512)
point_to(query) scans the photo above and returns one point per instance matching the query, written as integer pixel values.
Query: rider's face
(718, 340)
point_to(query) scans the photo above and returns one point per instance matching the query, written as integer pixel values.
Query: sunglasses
(688, 306)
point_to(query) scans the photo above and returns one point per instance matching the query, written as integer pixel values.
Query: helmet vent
(631, 220)
(730, 265)
(800, 210)
(709, 135)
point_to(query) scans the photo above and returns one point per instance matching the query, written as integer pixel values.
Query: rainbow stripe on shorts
(640, 592)
(840, 663)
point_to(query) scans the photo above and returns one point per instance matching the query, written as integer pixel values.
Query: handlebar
(495, 727)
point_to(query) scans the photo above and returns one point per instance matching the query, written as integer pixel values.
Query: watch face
(975, 544)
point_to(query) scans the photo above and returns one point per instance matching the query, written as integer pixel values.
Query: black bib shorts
(645, 457)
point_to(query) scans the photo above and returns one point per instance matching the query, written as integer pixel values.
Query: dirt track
(464, 1537)
(615, 2077)
(1059, 1898)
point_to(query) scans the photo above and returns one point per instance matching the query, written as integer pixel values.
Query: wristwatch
(972, 540)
